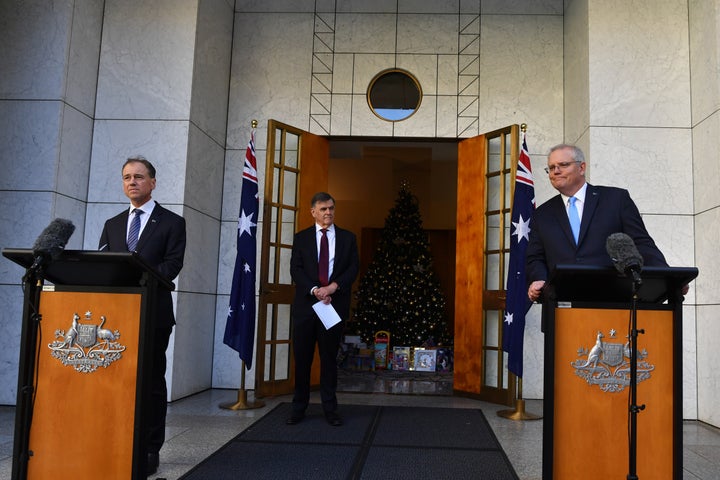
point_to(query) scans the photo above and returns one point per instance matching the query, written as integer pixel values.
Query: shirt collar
(580, 195)
(146, 207)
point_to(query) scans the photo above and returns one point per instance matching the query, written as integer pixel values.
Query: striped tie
(134, 232)
(324, 260)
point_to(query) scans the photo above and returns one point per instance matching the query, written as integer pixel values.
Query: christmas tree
(400, 292)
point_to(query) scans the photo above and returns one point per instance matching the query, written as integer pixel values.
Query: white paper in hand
(328, 316)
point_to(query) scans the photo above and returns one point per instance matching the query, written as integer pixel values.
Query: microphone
(624, 255)
(51, 242)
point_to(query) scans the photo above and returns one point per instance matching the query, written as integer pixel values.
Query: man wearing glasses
(572, 228)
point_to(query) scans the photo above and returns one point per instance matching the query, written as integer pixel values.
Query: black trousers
(157, 402)
(307, 332)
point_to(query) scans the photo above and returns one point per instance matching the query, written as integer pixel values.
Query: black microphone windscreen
(623, 252)
(53, 239)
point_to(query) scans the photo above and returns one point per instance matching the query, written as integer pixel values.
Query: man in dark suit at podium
(572, 227)
(157, 235)
(314, 283)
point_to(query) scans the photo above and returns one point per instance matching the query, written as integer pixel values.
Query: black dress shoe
(295, 418)
(153, 462)
(333, 419)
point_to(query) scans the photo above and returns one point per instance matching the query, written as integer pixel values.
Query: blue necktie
(134, 232)
(574, 219)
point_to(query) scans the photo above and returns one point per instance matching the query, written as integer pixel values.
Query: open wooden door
(296, 167)
(486, 170)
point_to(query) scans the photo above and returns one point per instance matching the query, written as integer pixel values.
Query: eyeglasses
(559, 166)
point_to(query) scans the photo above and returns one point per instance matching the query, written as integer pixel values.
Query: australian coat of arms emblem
(607, 364)
(86, 346)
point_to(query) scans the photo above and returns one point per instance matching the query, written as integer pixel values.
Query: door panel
(296, 167)
(486, 169)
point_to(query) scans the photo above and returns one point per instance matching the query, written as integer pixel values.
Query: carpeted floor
(374, 443)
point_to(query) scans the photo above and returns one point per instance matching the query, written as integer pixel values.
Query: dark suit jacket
(607, 210)
(161, 245)
(304, 271)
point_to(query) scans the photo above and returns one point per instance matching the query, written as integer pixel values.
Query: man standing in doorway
(323, 265)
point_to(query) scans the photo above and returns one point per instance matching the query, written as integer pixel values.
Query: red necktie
(324, 260)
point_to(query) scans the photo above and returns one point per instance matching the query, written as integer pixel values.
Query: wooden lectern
(586, 414)
(84, 347)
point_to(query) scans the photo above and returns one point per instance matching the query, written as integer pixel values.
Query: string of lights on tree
(400, 292)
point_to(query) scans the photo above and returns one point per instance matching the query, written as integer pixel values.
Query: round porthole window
(394, 95)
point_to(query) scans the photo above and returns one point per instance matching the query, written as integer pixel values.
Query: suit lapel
(561, 215)
(591, 202)
(150, 227)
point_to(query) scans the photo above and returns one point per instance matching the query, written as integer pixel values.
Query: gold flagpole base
(242, 402)
(519, 413)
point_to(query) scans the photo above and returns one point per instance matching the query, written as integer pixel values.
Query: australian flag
(518, 303)
(240, 326)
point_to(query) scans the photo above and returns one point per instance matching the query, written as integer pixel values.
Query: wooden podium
(586, 412)
(84, 347)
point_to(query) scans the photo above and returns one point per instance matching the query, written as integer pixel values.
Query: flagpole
(242, 401)
(519, 413)
(249, 170)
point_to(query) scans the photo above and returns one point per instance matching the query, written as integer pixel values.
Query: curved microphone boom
(51, 242)
(624, 255)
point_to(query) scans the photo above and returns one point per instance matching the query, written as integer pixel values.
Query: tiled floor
(197, 426)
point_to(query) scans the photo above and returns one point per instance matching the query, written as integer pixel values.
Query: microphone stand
(634, 407)
(32, 284)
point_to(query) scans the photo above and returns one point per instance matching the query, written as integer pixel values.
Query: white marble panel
(708, 331)
(341, 114)
(271, 73)
(674, 236)
(73, 210)
(30, 136)
(227, 365)
(533, 355)
(522, 7)
(84, 57)
(164, 144)
(342, 79)
(24, 216)
(204, 173)
(35, 41)
(211, 75)
(706, 163)
(365, 122)
(146, 60)
(707, 232)
(424, 68)
(576, 72)
(447, 75)
(275, 6)
(428, 6)
(366, 68)
(704, 58)
(365, 6)
(199, 273)
(74, 166)
(190, 361)
(365, 33)
(420, 124)
(428, 34)
(689, 359)
(516, 85)
(11, 303)
(639, 63)
(652, 163)
(446, 116)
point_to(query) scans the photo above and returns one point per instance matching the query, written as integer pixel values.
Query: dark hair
(144, 161)
(321, 197)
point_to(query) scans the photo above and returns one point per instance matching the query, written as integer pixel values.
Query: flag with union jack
(240, 326)
(517, 302)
